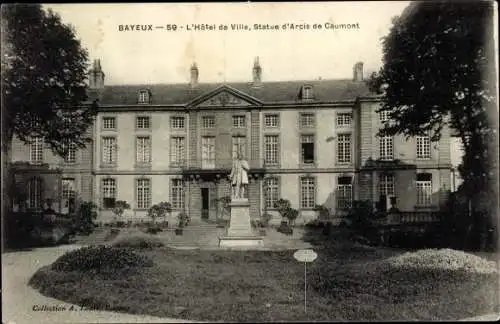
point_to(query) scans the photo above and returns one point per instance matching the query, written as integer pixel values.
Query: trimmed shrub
(100, 258)
(137, 240)
(86, 216)
(443, 259)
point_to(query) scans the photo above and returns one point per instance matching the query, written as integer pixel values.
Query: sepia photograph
(250, 162)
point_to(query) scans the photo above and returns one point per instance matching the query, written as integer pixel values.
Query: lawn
(346, 282)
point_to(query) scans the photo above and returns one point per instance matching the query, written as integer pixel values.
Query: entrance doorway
(205, 203)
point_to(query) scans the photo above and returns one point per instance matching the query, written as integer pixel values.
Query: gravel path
(19, 301)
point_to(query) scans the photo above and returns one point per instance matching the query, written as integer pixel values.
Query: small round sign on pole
(305, 256)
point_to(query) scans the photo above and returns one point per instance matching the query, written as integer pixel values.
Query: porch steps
(201, 235)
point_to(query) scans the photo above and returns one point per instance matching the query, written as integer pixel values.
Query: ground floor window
(344, 192)
(69, 194)
(307, 192)
(271, 191)
(143, 188)
(35, 193)
(424, 189)
(177, 193)
(108, 193)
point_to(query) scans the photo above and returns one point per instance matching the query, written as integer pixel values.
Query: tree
(44, 69)
(438, 72)
(159, 210)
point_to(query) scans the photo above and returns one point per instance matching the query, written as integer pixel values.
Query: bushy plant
(361, 220)
(282, 205)
(137, 240)
(86, 215)
(119, 208)
(183, 220)
(322, 212)
(266, 219)
(159, 210)
(100, 258)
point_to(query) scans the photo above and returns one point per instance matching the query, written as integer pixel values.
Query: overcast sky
(161, 56)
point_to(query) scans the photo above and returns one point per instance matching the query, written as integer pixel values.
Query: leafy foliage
(159, 210)
(97, 258)
(120, 207)
(183, 220)
(44, 69)
(137, 240)
(322, 211)
(282, 205)
(86, 215)
(265, 218)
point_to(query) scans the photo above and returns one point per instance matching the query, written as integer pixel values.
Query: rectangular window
(208, 152)
(71, 155)
(108, 193)
(387, 148)
(307, 120)
(271, 191)
(271, 149)
(35, 193)
(143, 187)
(143, 149)
(271, 120)
(109, 122)
(307, 92)
(208, 121)
(177, 151)
(109, 150)
(424, 189)
(177, 122)
(423, 147)
(344, 192)
(239, 145)
(307, 148)
(384, 116)
(142, 122)
(143, 96)
(36, 150)
(69, 194)
(344, 148)
(307, 192)
(386, 185)
(344, 120)
(177, 193)
(239, 121)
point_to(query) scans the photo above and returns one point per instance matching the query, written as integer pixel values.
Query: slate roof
(267, 92)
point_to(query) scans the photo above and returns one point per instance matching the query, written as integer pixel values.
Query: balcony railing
(220, 164)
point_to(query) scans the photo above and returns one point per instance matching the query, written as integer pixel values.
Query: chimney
(194, 75)
(257, 72)
(358, 72)
(96, 76)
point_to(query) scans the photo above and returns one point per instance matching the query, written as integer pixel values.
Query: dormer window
(307, 92)
(143, 96)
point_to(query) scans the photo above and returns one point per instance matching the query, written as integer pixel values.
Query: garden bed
(347, 283)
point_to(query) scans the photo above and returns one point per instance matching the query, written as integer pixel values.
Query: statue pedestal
(239, 233)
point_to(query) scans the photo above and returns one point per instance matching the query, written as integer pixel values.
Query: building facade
(311, 142)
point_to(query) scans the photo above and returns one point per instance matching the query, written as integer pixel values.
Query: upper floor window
(271, 149)
(307, 92)
(239, 145)
(307, 120)
(384, 116)
(307, 149)
(143, 149)
(344, 120)
(142, 122)
(109, 150)
(423, 147)
(208, 121)
(109, 123)
(208, 152)
(386, 148)
(239, 121)
(271, 120)
(344, 148)
(177, 151)
(71, 155)
(143, 96)
(177, 122)
(36, 150)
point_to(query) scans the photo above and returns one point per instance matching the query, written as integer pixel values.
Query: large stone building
(311, 142)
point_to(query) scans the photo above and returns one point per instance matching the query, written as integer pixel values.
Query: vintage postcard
(249, 162)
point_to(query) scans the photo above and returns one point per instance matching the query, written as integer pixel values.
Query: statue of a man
(239, 176)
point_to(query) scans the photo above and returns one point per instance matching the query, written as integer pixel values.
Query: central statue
(239, 176)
